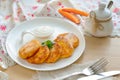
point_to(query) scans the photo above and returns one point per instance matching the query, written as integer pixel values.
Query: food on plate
(66, 48)
(29, 49)
(71, 38)
(49, 51)
(41, 55)
(48, 43)
(67, 41)
(70, 16)
(55, 53)
(71, 13)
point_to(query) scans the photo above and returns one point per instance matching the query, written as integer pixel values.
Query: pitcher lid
(103, 12)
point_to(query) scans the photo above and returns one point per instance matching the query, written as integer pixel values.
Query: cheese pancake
(40, 56)
(29, 49)
(65, 47)
(72, 38)
(55, 54)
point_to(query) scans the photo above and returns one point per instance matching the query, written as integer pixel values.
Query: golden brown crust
(65, 47)
(72, 38)
(29, 49)
(40, 56)
(54, 54)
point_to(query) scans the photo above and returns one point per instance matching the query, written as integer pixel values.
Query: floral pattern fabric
(13, 12)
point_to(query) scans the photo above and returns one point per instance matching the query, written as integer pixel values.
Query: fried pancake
(65, 47)
(72, 38)
(40, 56)
(55, 54)
(29, 49)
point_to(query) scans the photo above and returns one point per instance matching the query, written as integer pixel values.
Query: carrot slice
(69, 16)
(75, 11)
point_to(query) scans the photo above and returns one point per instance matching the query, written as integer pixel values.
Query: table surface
(95, 48)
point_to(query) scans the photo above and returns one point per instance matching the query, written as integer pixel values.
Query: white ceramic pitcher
(100, 23)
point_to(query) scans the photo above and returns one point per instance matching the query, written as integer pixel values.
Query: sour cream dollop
(43, 31)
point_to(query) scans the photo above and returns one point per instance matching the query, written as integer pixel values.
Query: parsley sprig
(48, 43)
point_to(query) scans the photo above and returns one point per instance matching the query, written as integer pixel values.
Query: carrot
(75, 11)
(69, 16)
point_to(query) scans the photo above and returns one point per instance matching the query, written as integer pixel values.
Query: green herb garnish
(48, 43)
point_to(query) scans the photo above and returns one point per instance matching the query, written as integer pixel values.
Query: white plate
(60, 25)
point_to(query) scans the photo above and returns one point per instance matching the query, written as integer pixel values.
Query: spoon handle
(110, 4)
